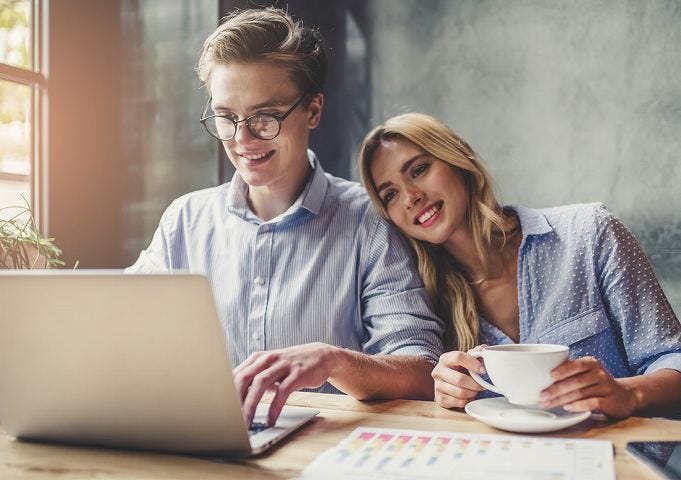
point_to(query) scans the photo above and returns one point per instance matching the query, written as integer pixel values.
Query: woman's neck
(496, 262)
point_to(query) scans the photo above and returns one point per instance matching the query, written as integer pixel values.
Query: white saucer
(499, 413)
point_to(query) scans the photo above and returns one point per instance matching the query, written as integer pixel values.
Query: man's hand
(583, 384)
(282, 371)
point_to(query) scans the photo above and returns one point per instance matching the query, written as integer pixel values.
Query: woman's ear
(314, 110)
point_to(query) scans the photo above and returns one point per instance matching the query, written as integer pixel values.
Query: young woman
(571, 275)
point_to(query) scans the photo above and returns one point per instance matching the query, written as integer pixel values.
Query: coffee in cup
(520, 371)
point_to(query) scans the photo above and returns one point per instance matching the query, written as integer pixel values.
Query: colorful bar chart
(373, 453)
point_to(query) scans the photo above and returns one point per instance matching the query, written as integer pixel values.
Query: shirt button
(256, 336)
(259, 281)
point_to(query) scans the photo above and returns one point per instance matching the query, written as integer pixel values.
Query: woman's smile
(429, 215)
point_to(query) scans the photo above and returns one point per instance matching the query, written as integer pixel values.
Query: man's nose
(243, 135)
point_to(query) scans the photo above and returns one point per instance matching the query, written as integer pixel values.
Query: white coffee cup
(520, 371)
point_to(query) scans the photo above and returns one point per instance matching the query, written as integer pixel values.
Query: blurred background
(567, 101)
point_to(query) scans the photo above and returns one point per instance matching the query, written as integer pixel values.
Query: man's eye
(228, 116)
(223, 121)
(419, 170)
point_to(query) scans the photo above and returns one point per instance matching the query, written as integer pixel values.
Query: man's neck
(271, 201)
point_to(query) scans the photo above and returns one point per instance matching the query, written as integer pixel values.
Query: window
(22, 103)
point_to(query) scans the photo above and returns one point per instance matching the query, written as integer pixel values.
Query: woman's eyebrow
(408, 163)
(383, 186)
(403, 169)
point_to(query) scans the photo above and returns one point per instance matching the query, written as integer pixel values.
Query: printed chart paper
(375, 453)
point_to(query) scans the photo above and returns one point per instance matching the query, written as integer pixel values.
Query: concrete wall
(167, 150)
(567, 101)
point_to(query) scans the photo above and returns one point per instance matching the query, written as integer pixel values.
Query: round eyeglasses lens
(265, 127)
(220, 127)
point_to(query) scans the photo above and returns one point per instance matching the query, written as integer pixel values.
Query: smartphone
(663, 457)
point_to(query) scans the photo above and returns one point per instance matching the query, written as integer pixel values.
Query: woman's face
(425, 197)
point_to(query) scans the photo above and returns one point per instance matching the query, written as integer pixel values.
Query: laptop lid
(132, 361)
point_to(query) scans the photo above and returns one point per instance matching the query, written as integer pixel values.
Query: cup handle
(479, 379)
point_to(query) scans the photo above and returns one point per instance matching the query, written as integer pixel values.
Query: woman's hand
(583, 384)
(453, 386)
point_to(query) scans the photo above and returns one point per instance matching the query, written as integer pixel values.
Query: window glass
(15, 138)
(15, 33)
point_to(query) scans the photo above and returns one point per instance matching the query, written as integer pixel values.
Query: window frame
(36, 79)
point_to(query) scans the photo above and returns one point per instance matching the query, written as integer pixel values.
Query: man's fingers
(287, 385)
(260, 384)
(252, 358)
(249, 368)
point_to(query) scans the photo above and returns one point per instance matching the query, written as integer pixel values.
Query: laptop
(128, 361)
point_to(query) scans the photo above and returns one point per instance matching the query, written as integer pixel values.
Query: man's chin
(254, 179)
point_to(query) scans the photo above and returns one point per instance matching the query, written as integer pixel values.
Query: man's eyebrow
(273, 102)
(270, 103)
(403, 169)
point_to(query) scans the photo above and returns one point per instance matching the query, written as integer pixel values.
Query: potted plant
(21, 244)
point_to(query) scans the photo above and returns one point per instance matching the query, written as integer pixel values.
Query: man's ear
(314, 110)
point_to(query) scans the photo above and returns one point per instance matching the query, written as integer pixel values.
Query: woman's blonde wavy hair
(446, 284)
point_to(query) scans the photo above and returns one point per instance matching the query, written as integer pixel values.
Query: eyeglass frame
(279, 118)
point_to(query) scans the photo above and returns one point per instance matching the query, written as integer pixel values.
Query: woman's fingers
(457, 384)
(461, 359)
(453, 387)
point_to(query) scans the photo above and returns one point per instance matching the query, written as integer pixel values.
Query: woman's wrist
(634, 394)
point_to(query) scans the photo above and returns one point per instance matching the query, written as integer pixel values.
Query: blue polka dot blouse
(584, 281)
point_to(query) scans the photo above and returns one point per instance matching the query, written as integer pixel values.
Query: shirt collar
(532, 221)
(315, 191)
(311, 199)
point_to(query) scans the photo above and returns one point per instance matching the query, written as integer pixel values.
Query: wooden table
(339, 416)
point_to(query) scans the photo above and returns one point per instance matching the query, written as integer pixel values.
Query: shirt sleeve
(650, 331)
(156, 257)
(396, 311)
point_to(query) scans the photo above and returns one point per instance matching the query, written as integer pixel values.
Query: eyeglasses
(264, 126)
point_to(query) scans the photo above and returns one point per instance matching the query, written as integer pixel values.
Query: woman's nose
(413, 196)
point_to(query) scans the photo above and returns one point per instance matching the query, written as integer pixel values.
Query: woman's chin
(434, 238)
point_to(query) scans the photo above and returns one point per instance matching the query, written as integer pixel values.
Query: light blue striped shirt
(584, 281)
(329, 269)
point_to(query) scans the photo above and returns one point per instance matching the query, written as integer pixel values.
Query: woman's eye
(419, 170)
(388, 196)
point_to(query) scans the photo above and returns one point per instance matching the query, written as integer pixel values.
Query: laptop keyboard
(257, 427)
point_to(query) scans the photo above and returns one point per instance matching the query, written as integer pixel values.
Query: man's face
(242, 89)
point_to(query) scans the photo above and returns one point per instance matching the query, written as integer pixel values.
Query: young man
(308, 290)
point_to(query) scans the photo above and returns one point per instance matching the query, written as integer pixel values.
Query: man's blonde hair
(269, 35)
